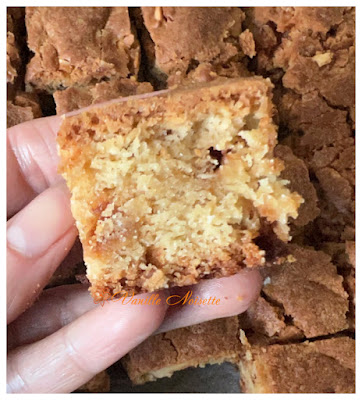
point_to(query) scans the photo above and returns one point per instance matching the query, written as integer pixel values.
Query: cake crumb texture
(171, 188)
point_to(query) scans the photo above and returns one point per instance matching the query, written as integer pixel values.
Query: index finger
(32, 160)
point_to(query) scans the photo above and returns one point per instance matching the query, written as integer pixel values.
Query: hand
(58, 338)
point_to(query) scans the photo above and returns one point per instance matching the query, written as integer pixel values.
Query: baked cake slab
(175, 186)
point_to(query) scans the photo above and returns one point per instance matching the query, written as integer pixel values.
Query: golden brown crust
(16, 115)
(264, 318)
(77, 97)
(161, 355)
(183, 34)
(207, 72)
(24, 107)
(301, 298)
(310, 291)
(79, 45)
(247, 43)
(323, 366)
(299, 18)
(181, 40)
(157, 267)
(343, 256)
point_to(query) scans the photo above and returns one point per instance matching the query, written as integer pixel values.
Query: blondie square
(182, 40)
(322, 366)
(79, 45)
(303, 297)
(172, 187)
(159, 356)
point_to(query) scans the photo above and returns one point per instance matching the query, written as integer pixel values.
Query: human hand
(58, 338)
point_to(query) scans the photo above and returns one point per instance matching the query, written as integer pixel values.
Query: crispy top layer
(79, 45)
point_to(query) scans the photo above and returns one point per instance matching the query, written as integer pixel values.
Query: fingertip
(244, 288)
(235, 292)
(233, 295)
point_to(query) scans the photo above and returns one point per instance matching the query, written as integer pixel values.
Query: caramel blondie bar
(79, 45)
(181, 40)
(322, 366)
(303, 297)
(211, 342)
(172, 187)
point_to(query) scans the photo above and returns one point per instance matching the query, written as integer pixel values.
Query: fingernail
(41, 223)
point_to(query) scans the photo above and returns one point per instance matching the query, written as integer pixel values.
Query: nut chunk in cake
(172, 187)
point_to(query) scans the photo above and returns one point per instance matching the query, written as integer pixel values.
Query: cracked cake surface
(321, 366)
(183, 49)
(173, 187)
(14, 44)
(79, 45)
(303, 297)
(296, 172)
(211, 342)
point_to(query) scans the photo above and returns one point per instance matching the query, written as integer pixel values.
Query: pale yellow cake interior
(186, 191)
